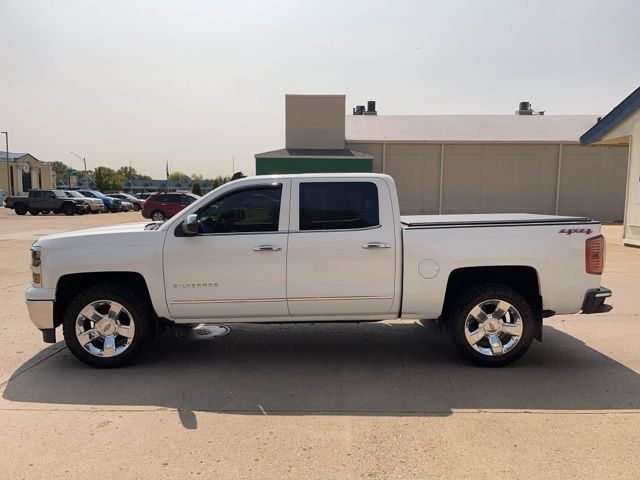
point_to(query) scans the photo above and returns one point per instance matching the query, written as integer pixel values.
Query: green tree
(196, 189)
(177, 175)
(131, 173)
(107, 179)
(195, 177)
(60, 169)
(220, 180)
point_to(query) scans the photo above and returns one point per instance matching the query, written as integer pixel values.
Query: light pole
(6, 135)
(84, 161)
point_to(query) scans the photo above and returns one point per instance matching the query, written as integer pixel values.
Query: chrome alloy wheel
(105, 328)
(493, 327)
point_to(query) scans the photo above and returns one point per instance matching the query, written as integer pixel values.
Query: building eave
(612, 119)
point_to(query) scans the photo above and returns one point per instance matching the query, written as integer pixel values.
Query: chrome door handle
(376, 245)
(267, 248)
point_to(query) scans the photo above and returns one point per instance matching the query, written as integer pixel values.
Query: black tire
(45, 212)
(456, 316)
(159, 214)
(95, 211)
(34, 212)
(141, 315)
(21, 209)
(69, 209)
(136, 207)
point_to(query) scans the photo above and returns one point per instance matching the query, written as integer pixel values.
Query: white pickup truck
(315, 248)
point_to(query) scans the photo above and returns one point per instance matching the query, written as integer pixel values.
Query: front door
(342, 248)
(236, 266)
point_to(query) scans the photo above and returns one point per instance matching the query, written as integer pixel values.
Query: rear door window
(338, 205)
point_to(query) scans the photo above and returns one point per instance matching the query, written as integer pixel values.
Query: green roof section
(271, 166)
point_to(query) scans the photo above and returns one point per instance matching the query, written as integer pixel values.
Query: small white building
(621, 127)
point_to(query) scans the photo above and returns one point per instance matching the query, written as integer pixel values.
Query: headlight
(36, 267)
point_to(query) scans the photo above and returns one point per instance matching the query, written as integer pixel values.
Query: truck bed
(498, 219)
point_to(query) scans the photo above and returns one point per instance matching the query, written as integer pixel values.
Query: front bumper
(594, 300)
(40, 308)
(41, 315)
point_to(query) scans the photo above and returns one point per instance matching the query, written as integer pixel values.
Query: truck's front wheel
(21, 209)
(491, 325)
(107, 326)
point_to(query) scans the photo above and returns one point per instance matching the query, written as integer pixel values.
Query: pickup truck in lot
(45, 201)
(315, 248)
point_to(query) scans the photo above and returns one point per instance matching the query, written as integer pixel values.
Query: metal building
(621, 126)
(462, 163)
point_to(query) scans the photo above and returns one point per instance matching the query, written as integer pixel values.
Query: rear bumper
(594, 300)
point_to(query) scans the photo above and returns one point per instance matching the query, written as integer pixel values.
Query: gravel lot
(383, 400)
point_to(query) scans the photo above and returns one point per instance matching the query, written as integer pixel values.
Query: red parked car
(161, 206)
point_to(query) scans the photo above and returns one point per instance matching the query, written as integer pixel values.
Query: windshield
(73, 193)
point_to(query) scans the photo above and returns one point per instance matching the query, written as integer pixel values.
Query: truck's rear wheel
(21, 209)
(107, 326)
(34, 212)
(491, 325)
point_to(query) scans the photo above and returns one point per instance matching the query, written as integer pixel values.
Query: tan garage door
(593, 181)
(499, 178)
(416, 171)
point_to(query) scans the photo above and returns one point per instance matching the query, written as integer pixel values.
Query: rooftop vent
(524, 108)
(371, 109)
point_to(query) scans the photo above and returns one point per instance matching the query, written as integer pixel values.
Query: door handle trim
(376, 245)
(267, 248)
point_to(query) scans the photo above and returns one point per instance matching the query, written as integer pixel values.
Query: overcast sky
(198, 83)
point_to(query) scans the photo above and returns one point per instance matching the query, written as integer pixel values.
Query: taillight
(594, 253)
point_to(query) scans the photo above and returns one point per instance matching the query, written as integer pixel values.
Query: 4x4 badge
(570, 231)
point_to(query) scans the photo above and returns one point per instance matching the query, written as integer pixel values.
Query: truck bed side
(557, 257)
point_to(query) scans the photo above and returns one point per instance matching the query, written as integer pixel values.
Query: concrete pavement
(382, 400)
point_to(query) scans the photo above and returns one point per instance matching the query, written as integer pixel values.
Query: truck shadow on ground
(332, 369)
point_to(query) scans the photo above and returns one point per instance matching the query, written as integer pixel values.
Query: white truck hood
(94, 232)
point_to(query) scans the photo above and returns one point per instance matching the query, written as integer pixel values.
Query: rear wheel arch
(524, 279)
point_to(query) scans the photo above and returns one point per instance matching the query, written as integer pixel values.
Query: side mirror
(191, 225)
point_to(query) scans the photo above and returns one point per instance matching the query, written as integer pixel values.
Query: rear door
(342, 254)
(173, 204)
(35, 199)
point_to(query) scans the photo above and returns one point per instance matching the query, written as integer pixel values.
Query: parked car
(161, 206)
(136, 202)
(95, 204)
(110, 204)
(144, 195)
(126, 206)
(45, 201)
(312, 248)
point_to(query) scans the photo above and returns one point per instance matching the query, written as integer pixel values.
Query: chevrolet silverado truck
(45, 201)
(315, 248)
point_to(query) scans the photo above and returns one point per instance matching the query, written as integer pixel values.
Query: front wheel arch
(69, 286)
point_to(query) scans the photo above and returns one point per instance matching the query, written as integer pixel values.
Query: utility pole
(6, 135)
(84, 161)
